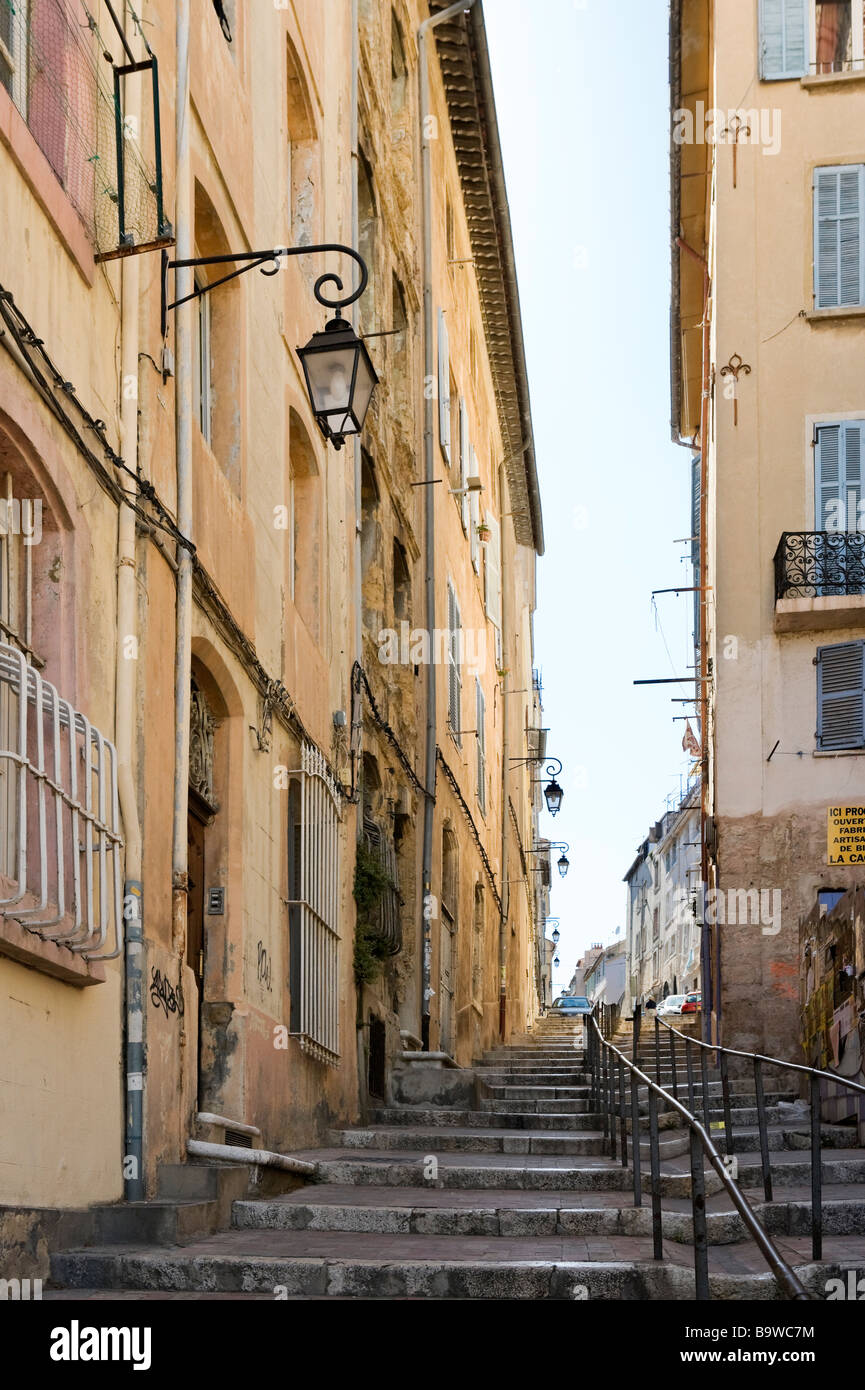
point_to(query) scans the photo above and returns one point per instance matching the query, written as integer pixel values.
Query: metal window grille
(389, 923)
(60, 841)
(315, 1007)
(58, 69)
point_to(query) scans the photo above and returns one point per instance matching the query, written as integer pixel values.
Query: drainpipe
(126, 643)
(429, 495)
(506, 892)
(358, 518)
(183, 452)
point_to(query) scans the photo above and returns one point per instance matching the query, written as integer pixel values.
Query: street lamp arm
(268, 263)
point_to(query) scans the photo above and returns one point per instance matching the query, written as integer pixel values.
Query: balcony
(819, 580)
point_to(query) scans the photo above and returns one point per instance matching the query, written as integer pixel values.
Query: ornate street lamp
(337, 368)
(563, 863)
(552, 791)
(340, 379)
(556, 935)
(556, 962)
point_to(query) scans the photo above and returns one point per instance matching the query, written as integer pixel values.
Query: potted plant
(483, 532)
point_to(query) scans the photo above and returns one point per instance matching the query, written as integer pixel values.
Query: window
(838, 451)
(839, 204)
(818, 36)
(444, 388)
(398, 68)
(455, 681)
(783, 39)
(464, 465)
(313, 905)
(302, 158)
(492, 573)
(401, 584)
(13, 52)
(478, 945)
(841, 696)
(202, 364)
(481, 710)
(305, 535)
(837, 36)
(474, 515)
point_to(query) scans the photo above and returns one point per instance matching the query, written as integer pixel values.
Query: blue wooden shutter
(838, 475)
(838, 240)
(444, 387)
(783, 39)
(841, 695)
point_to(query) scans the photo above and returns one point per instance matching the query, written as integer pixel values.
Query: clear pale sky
(582, 101)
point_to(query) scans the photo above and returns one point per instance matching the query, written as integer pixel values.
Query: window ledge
(845, 311)
(48, 957)
(838, 753)
(814, 81)
(819, 614)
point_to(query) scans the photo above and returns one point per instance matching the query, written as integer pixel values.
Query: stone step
(358, 1265)
(539, 1172)
(472, 1141)
(509, 1119)
(537, 1107)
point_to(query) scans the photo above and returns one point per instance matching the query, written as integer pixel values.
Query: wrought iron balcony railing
(820, 564)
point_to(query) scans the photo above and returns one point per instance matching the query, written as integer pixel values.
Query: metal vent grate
(238, 1141)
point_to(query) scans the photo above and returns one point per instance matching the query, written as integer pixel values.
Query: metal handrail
(815, 1074)
(604, 1086)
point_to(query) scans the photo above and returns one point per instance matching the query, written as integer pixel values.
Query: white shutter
(839, 195)
(454, 671)
(474, 517)
(784, 29)
(444, 387)
(464, 463)
(493, 572)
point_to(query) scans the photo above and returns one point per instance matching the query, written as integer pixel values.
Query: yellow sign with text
(846, 835)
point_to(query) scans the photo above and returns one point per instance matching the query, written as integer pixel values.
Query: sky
(582, 100)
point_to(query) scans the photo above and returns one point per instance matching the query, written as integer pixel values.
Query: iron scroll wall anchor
(268, 262)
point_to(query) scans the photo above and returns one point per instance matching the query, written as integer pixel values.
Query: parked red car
(693, 1002)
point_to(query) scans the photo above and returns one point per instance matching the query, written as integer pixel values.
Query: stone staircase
(514, 1199)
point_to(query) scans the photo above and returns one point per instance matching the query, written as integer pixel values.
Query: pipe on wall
(429, 497)
(126, 657)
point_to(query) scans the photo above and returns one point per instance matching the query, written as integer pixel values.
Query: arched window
(367, 225)
(398, 67)
(305, 528)
(217, 349)
(401, 584)
(302, 154)
(370, 548)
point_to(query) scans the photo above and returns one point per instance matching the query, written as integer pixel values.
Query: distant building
(662, 933)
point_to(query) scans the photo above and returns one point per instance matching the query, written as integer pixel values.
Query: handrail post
(611, 1084)
(623, 1116)
(655, 1160)
(657, 1050)
(698, 1217)
(636, 1033)
(635, 1141)
(704, 1076)
(689, 1063)
(673, 1064)
(764, 1136)
(816, 1173)
(602, 1095)
(728, 1117)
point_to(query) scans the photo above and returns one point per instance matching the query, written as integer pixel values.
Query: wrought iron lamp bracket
(268, 262)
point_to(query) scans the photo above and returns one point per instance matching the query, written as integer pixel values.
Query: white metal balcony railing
(60, 840)
(315, 909)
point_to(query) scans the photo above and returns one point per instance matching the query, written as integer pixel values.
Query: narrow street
(522, 1203)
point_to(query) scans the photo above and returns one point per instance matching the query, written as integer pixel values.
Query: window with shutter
(474, 519)
(839, 205)
(454, 644)
(481, 709)
(465, 448)
(444, 387)
(784, 27)
(837, 499)
(492, 572)
(841, 696)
